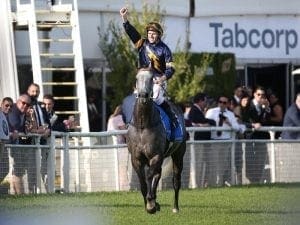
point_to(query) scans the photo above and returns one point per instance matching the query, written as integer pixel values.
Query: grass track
(253, 205)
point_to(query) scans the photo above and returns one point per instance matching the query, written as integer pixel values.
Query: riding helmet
(154, 26)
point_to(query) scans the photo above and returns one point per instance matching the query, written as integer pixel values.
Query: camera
(222, 117)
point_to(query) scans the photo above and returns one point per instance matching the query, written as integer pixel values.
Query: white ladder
(52, 31)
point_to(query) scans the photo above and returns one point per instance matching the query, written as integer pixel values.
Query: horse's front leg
(140, 171)
(153, 177)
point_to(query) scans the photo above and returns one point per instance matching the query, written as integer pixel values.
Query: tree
(189, 78)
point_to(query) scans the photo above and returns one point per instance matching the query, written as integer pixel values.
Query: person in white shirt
(115, 122)
(219, 167)
(224, 118)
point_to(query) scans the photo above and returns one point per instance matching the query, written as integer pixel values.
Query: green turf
(253, 205)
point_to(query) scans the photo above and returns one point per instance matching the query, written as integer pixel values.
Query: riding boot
(171, 114)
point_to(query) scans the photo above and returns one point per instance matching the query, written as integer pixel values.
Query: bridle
(144, 84)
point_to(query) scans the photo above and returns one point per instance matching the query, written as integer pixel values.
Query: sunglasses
(8, 105)
(25, 103)
(222, 102)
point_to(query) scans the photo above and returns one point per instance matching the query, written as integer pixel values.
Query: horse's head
(144, 83)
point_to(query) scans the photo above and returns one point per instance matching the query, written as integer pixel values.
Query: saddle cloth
(173, 133)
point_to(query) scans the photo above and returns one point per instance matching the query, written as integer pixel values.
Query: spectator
(219, 167)
(256, 154)
(292, 119)
(248, 90)
(186, 108)
(259, 111)
(16, 122)
(197, 116)
(242, 114)
(6, 106)
(276, 115)
(115, 122)
(241, 111)
(93, 113)
(16, 117)
(236, 98)
(223, 118)
(55, 123)
(71, 124)
(37, 121)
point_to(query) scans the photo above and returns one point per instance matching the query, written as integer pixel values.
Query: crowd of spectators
(244, 112)
(28, 115)
(252, 109)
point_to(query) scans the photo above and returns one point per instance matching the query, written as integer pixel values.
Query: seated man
(154, 54)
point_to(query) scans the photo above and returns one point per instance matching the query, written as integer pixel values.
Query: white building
(264, 35)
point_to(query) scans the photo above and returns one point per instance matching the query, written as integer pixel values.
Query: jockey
(155, 54)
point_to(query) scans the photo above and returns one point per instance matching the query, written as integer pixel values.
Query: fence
(88, 162)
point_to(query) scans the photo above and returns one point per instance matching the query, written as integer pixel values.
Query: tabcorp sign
(248, 37)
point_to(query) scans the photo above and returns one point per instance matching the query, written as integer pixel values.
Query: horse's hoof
(151, 207)
(151, 211)
(175, 210)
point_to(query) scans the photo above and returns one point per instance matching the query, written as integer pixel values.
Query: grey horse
(148, 144)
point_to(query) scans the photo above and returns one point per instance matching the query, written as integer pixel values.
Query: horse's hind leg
(177, 158)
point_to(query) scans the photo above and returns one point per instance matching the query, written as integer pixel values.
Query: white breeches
(159, 93)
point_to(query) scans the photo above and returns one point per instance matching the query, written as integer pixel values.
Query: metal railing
(79, 165)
